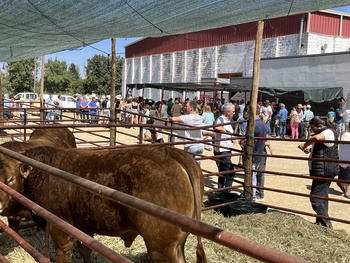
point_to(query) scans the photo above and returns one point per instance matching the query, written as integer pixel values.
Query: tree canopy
(60, 78)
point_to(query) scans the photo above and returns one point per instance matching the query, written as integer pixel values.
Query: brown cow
(55, 137)
(164, 176)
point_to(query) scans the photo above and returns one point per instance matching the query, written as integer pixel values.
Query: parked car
(26, 96)
(68, 101)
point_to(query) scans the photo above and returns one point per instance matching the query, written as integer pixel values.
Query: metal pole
(42, 88)
(112, 134)
(2, 100)
(252, 110)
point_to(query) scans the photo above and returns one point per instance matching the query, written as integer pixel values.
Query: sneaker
(278, 137)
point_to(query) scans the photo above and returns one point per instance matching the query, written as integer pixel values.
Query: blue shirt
(283, 114)
(93, 106)
(7, 103)
(49, 103)
(259, 145)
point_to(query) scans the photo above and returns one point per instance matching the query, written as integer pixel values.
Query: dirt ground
(297, 185)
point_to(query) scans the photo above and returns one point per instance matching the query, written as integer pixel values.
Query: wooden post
(249, 149)
(42, 89)
(112, 135)
(2, 101)
(35, 69)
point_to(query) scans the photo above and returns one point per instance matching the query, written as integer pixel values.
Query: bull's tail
(195, 175)
(196, 178)
(198, 199)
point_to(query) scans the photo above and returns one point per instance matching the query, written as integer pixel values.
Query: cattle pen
(287, 181)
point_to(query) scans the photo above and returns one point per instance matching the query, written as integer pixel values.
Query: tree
(119, 77)
(74, 71)
(98, 75)
(57, 78)
(21, 75)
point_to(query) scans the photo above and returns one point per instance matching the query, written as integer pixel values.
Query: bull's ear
(24, 170)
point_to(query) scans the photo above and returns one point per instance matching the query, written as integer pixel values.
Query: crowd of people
(230, 119)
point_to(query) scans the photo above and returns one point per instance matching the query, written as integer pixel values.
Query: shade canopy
(33, 28)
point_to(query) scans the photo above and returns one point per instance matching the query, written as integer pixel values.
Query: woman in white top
(321, 130)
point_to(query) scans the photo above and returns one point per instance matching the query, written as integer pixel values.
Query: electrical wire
(290, 8)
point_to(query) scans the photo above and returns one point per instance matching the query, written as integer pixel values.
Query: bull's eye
(12, 179)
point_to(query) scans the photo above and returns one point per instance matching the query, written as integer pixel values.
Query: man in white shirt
(224, 147)
(192, 118)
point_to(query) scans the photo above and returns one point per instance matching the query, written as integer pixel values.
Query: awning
(33, 28)
(314, 94)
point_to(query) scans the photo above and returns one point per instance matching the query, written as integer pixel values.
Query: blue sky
(80, 56)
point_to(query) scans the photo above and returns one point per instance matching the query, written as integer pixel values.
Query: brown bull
(164, 176)
(9, 173)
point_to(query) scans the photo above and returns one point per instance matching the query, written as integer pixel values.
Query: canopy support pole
(249, 149)
(112, 132)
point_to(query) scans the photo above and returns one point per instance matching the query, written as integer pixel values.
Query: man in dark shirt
(259, 148)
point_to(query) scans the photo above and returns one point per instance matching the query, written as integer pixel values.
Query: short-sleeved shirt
(93, 106)
(259, 145)
(339, 119)
(218, 135)
(49, 103)
(328, 135)
(192, 120)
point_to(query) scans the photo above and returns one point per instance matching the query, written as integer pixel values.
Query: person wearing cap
(300, 111)
(308, 115)
(268, 110)
(282, 116)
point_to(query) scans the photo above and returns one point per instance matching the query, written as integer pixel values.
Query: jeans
(320, 206)
(340, 129)
(267, 124)
(48, 116)
(224, 164)
(257, 165)
(260, 178)
(195, 150)
(283, 129)
(301, 130)
(306, 129)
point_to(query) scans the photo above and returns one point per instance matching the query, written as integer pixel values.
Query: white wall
(193, 65)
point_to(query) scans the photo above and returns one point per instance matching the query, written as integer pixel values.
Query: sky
(80, 56)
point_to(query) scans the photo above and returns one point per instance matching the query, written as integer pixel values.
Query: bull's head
(10, 176)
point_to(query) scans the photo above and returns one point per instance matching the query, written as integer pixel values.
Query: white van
(68, 101)
(26, 96)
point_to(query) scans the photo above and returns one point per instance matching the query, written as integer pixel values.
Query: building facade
(229, 51)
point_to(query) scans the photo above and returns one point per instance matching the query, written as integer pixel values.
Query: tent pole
(112, 132)
(214, 97)
(42, 88)
(2, 100)
(249, 149)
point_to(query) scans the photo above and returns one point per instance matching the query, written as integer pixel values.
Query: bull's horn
(24, 170)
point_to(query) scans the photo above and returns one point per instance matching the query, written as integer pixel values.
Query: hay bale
(4, 139)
